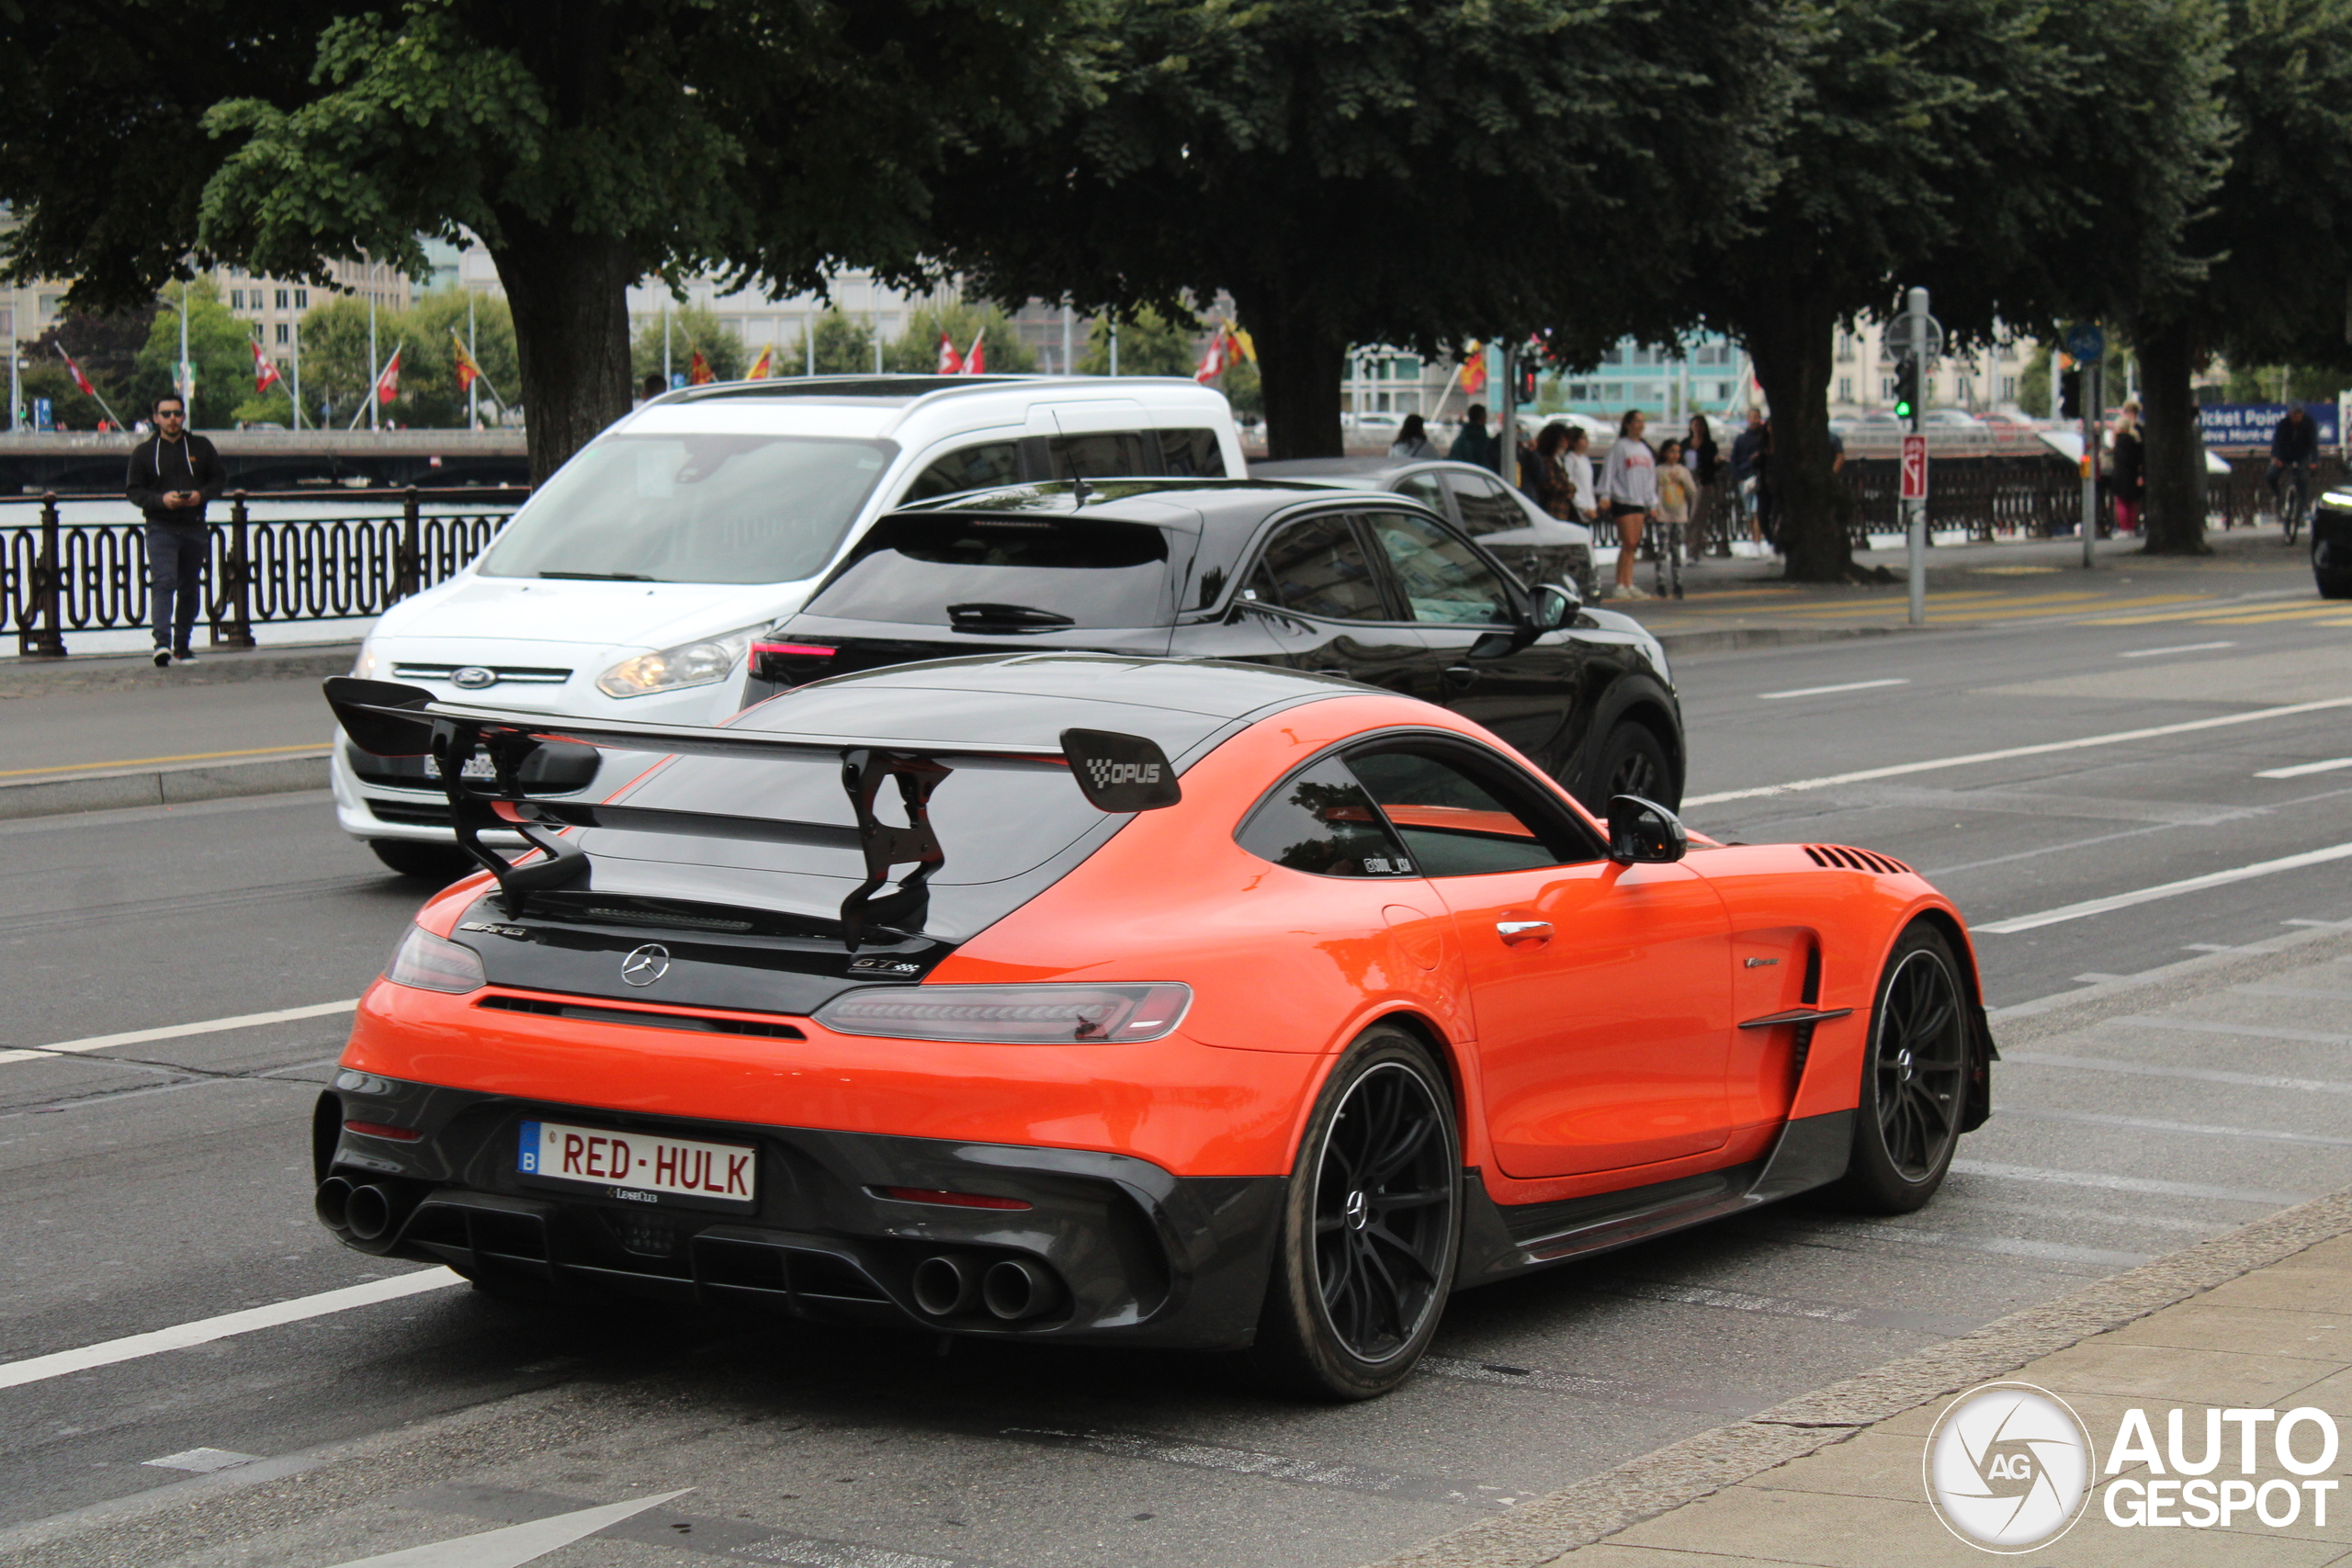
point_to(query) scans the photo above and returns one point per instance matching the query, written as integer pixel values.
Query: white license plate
(634, 1162)
(478, 766)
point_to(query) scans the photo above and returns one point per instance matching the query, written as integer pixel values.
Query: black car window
(1487, 506)
(1320, 819)
(1460, 813)
(984, 466)
(1441, 578)
(1192, 454)
(1318, 568)
(1102, 454)
(990, 573)
(1424, 487)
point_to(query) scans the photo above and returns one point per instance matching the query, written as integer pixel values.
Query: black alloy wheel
(1632, 763)
(1914, 1079)
(1370, 1228)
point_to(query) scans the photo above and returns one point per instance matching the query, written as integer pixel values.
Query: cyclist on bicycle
(2294, 447)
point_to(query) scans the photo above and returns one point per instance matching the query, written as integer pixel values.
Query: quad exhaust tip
(369, 1212)
(1010, 1290)
(331, 1202)
(1017, 1288)
(945, 1287)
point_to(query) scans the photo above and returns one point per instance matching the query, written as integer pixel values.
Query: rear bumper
(1130, 1253)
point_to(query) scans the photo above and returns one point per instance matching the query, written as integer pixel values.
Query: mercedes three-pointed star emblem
(646, 964)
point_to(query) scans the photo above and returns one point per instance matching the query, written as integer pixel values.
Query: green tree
(2280, 286)
(2033, 377)
(1408, 172)
(1150, 344)
(335, 374)
(586, 146)
(2285, 383)
(844, 347)
(1245, 390)
(916, 351)
(107, 348)
(433, 326)
(219, 346)
(689, 328)
(2003, 153)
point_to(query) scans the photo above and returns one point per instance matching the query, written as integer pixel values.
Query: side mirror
(1643, 832)
(1552, 605)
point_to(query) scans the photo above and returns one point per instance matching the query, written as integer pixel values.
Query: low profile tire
(439, 865)
(1915, 1080)
(1371, 1229)
(1634, 762)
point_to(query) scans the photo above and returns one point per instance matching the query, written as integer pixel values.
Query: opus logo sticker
(2008, 1467)
(1107, 772)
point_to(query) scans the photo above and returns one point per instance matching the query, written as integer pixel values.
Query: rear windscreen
(1002, 573)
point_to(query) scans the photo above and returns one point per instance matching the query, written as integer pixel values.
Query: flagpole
(294, 390)
(473, 387)
(665, 346)
(93, 386)
(188, 371)
(374, 370)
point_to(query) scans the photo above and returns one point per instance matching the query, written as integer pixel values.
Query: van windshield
(694, 508)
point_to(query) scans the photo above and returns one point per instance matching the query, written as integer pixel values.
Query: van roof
(895, 392)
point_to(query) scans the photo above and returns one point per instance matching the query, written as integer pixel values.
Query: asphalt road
(2196, 1081)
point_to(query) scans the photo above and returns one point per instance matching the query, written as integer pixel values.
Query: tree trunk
(1789, 332)
(1300, 373)
(569, 296)
(2174, 520)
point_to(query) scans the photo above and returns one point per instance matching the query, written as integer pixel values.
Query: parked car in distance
(1536, 546)
(1374, 586)
(2331, 543)
(631, 584)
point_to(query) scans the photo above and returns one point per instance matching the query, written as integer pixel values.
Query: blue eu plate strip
(529, 1162)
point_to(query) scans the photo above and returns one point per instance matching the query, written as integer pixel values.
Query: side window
(1322, 820)
(1424, 487)
(1102, 454)
(1318, 568)
(1459, 817)
(1487, 506)
(983, 467)
(1191, 454)
(1441, 578)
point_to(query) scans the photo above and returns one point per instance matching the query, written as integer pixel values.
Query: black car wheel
(1632, 763)
(2334, 584)
(439, 865)
(1914, 1080)
(1370, 1228)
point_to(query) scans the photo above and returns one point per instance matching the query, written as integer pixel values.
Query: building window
(281, 298)
(1887, 387)
(1845, 349)
(285, 333)
(301, 299)
(236, 299)
(1844, 389)
(2008, 388)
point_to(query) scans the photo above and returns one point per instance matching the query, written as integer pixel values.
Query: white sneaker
(1628, 591)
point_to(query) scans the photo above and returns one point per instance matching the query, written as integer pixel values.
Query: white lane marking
(1995, 1245)
(203, 1330)
(2040, 750)
(1832, 691)
(2251, 1031)
(516, 1544)
(2102, 1181)
(174, 1031)
(1774, 1306)
(2291, 991)
(1601, 1390)
(2097, 1216)
(2196, 1075)
(2299, 769)
(2184, 648)
(2113, 901)
(1249, 1461)
(203, 1461)
(2150, 1124)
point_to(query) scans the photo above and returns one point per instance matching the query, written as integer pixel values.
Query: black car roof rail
(1115, 772)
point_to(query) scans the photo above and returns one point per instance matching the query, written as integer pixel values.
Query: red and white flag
(387, 385)
(264, 374)
(950, 362)
(976, 362)
(79, 379)
(1213, 363)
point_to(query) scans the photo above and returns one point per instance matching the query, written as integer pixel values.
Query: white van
(631, 584)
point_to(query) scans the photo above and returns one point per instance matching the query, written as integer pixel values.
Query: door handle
(1460, 675)
(1523, 933)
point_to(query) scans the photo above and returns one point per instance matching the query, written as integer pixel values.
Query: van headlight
(675, 669)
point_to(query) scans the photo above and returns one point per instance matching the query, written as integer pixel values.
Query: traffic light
(1527, 380)
(1907, 386)
(2070, 393)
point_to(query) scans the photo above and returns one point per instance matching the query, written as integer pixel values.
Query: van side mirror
(1643, 832)
(1551, 605)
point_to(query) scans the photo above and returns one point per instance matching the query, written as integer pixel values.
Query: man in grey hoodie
(171, 478)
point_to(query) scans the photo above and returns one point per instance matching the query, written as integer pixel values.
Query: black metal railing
(57, 577)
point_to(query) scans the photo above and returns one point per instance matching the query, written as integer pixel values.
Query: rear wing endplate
(1115, 772)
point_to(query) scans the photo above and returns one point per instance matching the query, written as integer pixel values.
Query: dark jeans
(175, 555)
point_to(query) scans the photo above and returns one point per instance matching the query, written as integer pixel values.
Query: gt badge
(646, 964)
(883, 967)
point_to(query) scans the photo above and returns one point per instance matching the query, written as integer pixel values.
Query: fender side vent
(1856, 860)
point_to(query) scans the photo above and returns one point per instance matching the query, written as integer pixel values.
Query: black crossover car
(2331, 543)
(1374, 587)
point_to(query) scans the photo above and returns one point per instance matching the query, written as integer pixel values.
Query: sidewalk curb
(180, 785)
(1600, 1505)
(99, 672)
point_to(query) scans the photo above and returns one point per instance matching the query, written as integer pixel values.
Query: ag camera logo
(2008, 1467)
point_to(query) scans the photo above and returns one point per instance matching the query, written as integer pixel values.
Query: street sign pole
(2091, 401)
(1916, 304)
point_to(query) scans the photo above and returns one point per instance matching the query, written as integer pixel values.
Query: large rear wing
(1115, 772)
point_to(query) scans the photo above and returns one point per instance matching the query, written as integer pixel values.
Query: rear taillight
(1010, 1015)
(946, 1200)
(435, 963)
(380, 1130)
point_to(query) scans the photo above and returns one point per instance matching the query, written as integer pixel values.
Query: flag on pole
(1473, 369)
(976, 362)
(1241, 342)
(467, 371)
(763, 366)
(698, 371)
(1221, 356)
(387, 385)
(264, 374)
(950, 362)
(79, 379)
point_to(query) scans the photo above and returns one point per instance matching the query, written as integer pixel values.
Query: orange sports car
(1095, 998)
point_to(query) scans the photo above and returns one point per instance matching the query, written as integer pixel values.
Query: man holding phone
(171, 478)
